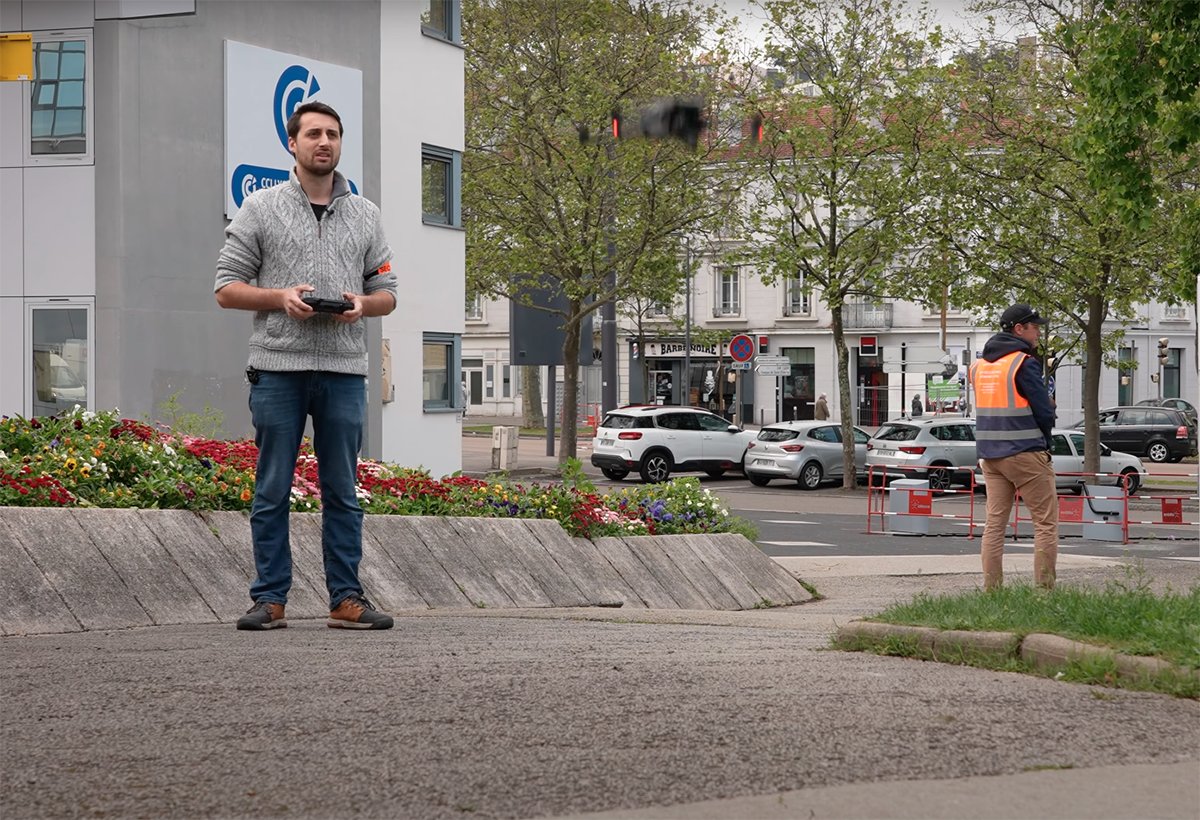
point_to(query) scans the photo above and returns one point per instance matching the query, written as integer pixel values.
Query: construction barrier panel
(910, 501)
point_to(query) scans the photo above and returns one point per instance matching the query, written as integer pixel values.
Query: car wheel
(939, 480)
(614, 473)
(656, 466)
(1135, 480)
(715, 472)
(1158, 452)
(758, 480)
(810, 476)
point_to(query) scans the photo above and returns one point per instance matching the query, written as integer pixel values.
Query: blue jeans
(279, 406)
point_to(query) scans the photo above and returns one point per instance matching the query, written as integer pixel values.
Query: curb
(1041, 651)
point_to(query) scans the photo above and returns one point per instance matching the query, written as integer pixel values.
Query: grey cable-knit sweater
(276, 239)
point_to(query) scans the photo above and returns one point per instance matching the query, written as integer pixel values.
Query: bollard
(906, 496)
(1105, 512)
(504, 447)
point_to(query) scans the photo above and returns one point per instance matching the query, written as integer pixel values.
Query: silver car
(806, 451)
(913, 449)
(1066, 454)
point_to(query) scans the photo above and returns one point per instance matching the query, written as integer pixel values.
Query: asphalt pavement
(565, 712)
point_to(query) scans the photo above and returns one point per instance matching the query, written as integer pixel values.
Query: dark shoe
(263, 615)
(356, 612)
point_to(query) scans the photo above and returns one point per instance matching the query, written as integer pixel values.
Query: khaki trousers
(1033, 474)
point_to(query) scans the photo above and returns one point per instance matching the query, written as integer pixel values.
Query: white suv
(659, 440)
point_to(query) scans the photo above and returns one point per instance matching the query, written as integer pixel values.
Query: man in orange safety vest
(1014, 416)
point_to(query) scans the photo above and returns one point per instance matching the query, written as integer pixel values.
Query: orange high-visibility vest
(1004, 421)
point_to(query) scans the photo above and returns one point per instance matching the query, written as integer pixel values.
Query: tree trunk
(570, 379)
(849, 471)
(1093, 339)
(531, 390)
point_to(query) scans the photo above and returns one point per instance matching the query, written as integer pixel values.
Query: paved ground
(542, 713)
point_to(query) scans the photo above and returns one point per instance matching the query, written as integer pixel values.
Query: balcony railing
(867, 317)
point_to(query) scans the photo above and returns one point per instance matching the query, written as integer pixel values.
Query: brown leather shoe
(263, 615)
(356, 612)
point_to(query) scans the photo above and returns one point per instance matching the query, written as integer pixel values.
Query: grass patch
(1126, 615)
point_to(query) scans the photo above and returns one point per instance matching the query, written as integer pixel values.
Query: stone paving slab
(682, 553)
(146, 565)
(767, 575)
(460, 561)
(665, 571)
(29, 604)
(501, 563)
(634, 572)
(212, 573)
(514, 537)
(89, 586)
(416, 562)
(586, 566)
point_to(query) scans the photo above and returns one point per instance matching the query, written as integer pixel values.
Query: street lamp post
(687, 322)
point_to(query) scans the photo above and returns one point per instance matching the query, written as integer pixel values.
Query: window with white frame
(728, 292)
(797, 300)
(440, 372)
(1175, 312)
(59, 350)
(60, 105)
(658, 310)
(474, 311)
(441, 186)
(442, 19)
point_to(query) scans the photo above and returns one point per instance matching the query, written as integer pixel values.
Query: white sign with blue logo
(262, 89)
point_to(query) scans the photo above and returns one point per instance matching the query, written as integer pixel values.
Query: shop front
(657, 376)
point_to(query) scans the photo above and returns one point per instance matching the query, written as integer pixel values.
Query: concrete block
(721, 563)
(29, 604)
(93, 592)
(145, 565)
(231, 576)
(635, 573)
(415, 562)
(1052, 651)
(308, 553)
(957, 645)
(502, 561)
(651, 554)
(768, 578)
(580, 560)
(681, 552)
(458, 559)
(383, 582)
(513, 537)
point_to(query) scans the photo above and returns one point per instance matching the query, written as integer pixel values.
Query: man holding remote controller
(310, 258)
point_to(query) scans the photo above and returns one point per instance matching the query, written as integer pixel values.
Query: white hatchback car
(917, 448)
(660, 440)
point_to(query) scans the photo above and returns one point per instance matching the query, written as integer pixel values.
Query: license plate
(762, 461)
(887, 452)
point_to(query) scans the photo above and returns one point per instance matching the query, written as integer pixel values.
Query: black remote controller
(326, 305)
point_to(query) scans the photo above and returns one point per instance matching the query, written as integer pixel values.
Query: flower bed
(86, 459)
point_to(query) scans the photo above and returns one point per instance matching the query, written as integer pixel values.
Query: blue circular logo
(296, 86)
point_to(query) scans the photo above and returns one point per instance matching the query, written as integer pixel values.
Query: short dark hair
(293, 123)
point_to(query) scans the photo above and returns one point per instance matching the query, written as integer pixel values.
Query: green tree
(1017, 215)
(591, 218)
(833, 200)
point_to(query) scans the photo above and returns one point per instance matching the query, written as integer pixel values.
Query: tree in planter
(591, 219)
(1016, 212)
(831, 203)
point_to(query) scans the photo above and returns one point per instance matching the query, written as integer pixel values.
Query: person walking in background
(466, 396)
(308, 236)
(821, 408)
(1013, 420)
(917, 408)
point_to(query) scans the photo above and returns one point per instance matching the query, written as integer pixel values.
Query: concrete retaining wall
(70, 570)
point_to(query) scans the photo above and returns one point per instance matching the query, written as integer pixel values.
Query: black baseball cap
(1020, 314)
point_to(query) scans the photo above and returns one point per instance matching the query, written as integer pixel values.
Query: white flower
(3, 456)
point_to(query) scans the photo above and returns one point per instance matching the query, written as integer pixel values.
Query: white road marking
(786, 521)
(795, 543)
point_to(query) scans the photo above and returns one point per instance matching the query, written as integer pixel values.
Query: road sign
(773, 369)
(740, 365)
(916, 354)
(741, 348)
(776, 360)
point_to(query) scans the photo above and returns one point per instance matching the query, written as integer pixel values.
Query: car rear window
(897, 432)
(776, 434)
(615, 422)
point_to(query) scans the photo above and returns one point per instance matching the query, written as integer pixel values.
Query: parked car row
(658, 441)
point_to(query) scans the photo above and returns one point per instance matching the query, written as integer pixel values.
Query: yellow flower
(70, 464)
(85, 471)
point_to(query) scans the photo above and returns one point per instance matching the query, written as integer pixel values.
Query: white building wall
(421, 101)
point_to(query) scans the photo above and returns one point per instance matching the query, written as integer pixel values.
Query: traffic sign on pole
(741, 348)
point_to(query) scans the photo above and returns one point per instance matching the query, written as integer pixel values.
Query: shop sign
(675, 350)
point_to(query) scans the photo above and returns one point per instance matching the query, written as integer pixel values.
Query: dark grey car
(1158, 433)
